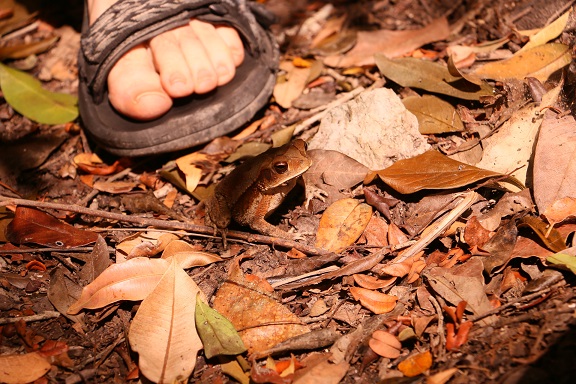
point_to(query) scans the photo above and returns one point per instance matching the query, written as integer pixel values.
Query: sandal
(192, 120)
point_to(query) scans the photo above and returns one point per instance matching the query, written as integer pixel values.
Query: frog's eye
(281, 167)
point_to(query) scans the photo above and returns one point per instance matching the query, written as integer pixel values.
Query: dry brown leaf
(319, 369)
(417, 267)
(526, 247)
(115, 187)
(550, 32)
(261, 321)
(376, 232)
(372, 282)
(538, 62)
(342, 223)
(549, 236)
(434, 114)
(375, 301)
(512, 145)
(188, 256)
(144, 245)
(132, 280)
(441, 377)
(189, 166)
(332, 27)
(389, 43)
(431, 170)
(26, 368)
(347, 174)
(395, 235)
(561, 210)
(285, 92)
(475, 234)
(432, 77)
(31, 225)
(385, 344)
(416, 364)
(462, 283)
(163, 331)
(554, 172)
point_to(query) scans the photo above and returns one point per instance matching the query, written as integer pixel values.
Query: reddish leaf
(431, 170)
(34, 226)
(385, 344)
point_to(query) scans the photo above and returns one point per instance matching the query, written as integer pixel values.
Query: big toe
(134, 87)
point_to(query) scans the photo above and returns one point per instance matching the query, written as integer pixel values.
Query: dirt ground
(525, 341)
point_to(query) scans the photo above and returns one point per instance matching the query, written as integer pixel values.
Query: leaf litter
(420, 262)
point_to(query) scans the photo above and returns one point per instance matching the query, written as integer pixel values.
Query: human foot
(195, 58)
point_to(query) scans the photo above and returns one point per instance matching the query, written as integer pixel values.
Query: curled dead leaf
(372, 282)
(375, 301)
(385, 344)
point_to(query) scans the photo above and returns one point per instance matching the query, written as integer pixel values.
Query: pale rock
(374, 129)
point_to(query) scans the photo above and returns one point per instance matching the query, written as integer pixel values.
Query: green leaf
(217, 333)
(25, 94)
(432, 77)
(564, 260)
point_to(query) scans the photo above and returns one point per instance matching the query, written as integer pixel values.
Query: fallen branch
(177, 225)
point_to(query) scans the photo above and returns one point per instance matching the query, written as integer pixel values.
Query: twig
(95, 192)
(441, 333)
(31, 250)
(28, 319)
(510, 304)
(439, 227)
(289, 280)
(196, 229)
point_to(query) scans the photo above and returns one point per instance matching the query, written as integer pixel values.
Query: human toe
(170, 63)
(134, 87)
(218, 52)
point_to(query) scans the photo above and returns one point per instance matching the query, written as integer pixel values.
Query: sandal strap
(128, 23)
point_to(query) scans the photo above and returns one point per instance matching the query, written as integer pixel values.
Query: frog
(254, 189)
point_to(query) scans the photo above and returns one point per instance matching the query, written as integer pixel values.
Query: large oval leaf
(132, 280)
(539, 62)
(432, 77)
(431, 170)
(342, 223)
(25, 94)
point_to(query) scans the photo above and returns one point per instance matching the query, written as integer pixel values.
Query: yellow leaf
(551, 31)
(416, 364)
(539, 62)
(342, 223)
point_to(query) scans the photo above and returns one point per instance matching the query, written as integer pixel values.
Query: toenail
(177, 80)
(223, 71)
(205, 77)
(151, 98)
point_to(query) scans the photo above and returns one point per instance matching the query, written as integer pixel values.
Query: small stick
(197, 229)
(28, 319)
(438, 227)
